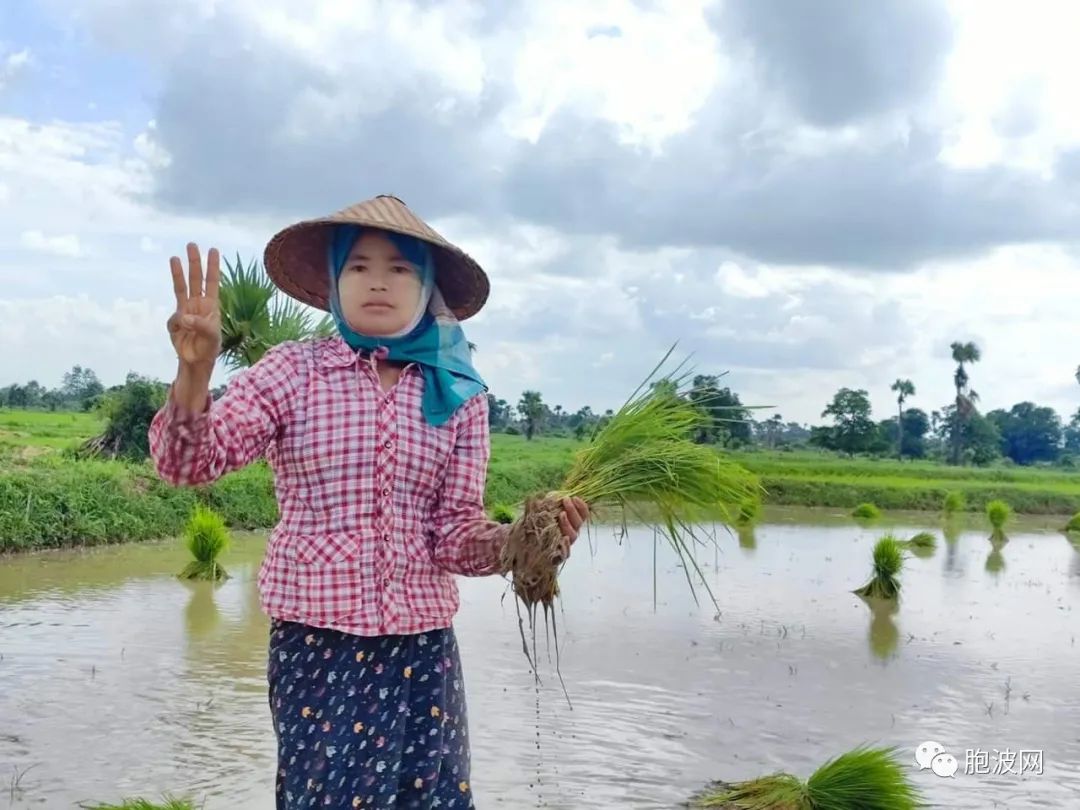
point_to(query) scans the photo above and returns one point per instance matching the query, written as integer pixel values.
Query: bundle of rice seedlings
(206, 538)
(998, 513)
(954, 502)
(888, 562)
(864, 778)
(642, 461)
(1074, 523)
(143, 804)
(501, 513)
(922, 544)
(749, 512)
(866, 511)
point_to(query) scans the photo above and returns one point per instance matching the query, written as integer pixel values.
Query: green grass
(49, 500)
(44, 429)
(1074, 523)
(501, 513)
(54, 502)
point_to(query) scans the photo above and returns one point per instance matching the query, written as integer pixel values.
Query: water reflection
(995, 560)
(747, 538)
(951, 532)
(884, 635)
(201, 614)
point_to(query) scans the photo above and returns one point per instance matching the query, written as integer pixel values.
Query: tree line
(256, 316)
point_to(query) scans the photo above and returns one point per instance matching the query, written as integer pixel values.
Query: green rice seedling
(644, 460)
(864, 778)
(922, 544)
(143, 804)
(501, 513)
(888, 562)
(954, 502)
(644, 457)
(866, 511)
(1074, 523)
(998, 512)
(206, 537)
(749, 512)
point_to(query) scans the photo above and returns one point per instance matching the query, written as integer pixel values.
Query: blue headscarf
(436, 341)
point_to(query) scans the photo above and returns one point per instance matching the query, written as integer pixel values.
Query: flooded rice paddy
(116, 679)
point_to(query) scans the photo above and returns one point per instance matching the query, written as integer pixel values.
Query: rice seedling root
(533, 552)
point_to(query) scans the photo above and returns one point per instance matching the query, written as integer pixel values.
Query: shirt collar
(334, 352)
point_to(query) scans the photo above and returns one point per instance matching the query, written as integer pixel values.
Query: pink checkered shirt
(378, 509)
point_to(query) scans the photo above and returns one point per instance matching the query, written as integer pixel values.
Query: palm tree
(531, 409)
(904, 389)
(965, 399)
(256, 315)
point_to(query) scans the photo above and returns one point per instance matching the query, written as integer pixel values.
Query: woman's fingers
(195, 274)
(213, 274)
(179, 287)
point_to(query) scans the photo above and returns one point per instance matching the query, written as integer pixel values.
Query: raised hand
(195, 327)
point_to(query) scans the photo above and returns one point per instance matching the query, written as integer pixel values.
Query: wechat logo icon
(933, 755)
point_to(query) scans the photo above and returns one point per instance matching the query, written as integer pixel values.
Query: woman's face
(378, 288)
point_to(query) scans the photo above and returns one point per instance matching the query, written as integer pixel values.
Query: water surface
(117, 679)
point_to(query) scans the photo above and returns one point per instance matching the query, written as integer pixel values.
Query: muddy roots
(534, 551)
(532, 557)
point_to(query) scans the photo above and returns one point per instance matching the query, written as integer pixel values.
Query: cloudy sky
(804, 195)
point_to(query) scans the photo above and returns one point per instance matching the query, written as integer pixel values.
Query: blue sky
(805, 201)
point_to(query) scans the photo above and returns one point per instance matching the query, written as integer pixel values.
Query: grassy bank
(810, 479)
(50, 501)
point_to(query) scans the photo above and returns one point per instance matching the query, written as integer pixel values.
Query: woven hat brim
(296, 261)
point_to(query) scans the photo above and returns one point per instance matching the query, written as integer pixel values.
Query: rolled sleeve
(467, 542)
(190, 448)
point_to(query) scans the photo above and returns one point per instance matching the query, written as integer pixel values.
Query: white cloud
(649, 71)
(61, 245)
(45, 337)
(12, 64)
(563, 304)
(1020, 110)
(92, 176)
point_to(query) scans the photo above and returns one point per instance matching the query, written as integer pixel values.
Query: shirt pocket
(333, 575)
(431, 592)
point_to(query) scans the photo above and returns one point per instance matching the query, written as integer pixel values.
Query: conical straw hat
(296, 258)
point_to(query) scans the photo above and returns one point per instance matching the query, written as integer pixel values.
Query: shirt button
(386, 491)
(388, 444)
(386, 582)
